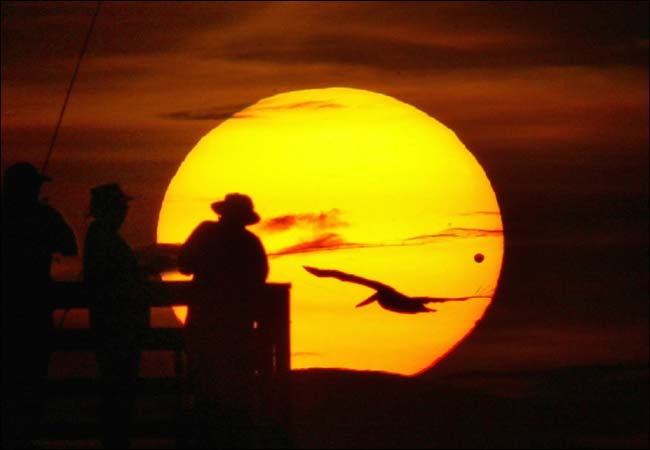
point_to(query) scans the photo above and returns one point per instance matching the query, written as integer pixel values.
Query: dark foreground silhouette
(387, 297)
(119, 312)
(230, 267)
(572, 407)
(32, 232)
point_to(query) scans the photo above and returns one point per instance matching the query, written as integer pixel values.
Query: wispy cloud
(327, 241)
(334, 241)
(325, 220)
(214, 113)
(257, 110)
(458, 233)
(303, 105)
(390, 52)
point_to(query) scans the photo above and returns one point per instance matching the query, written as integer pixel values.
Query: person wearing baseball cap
(32, 233)
(119, 310)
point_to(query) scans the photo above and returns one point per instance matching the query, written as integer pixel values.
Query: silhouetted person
(32, 232)
(119, 311)
(230, 267)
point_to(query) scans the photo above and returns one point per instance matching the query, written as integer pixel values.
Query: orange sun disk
(359, 182)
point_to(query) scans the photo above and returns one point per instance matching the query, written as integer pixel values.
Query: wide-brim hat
(237, 207)
(107, 197)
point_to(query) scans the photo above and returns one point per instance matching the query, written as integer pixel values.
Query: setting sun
(353, 181)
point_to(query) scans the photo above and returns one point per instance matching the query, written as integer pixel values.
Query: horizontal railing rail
(272, 330)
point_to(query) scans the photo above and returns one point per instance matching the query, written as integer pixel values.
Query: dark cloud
(54, 30)
(318, 222)
(216, 113)
(392, 36)
(195, 115)
(600, 21)
(309, 105)
(98, 142)
(315, 104)
(429, 36)
(396, 54)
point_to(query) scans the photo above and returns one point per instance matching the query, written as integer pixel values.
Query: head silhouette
(236, 209)
(22, 182)
(109, 204)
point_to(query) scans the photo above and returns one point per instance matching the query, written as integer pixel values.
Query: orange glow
(359, 182)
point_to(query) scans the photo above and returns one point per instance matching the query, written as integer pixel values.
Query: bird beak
(367, 301)
(312, 270)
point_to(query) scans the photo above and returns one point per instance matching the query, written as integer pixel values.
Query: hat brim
(245, 217)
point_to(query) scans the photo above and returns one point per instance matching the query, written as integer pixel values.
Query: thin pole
(67, 94)
(65, 103)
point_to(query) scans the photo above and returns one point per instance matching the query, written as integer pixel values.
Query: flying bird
(387, 297)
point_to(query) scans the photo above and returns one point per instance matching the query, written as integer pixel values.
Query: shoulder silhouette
(32, 232)
(119, 312)
(225, 252)
(230, 267)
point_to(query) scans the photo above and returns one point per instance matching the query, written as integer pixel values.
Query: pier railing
(272, 363)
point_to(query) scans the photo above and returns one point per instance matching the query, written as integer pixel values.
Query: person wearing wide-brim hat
(236, 208)
(230, 267)
(225, 253)
(119, 312)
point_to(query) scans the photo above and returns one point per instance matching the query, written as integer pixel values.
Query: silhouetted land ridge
(576, 407)
(602, 406)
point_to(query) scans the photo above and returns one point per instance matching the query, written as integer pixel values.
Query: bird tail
(367, 301)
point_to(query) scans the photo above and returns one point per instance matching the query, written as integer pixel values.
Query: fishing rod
(69, 90)
(62, 112)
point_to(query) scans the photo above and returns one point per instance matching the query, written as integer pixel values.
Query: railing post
(274, 340)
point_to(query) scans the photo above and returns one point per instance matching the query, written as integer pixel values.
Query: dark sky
(552, 98)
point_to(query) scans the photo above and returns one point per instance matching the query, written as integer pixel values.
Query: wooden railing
(273, 364)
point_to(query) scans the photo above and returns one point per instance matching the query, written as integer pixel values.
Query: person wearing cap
(230, 267)
(119, 310)
(32, 232)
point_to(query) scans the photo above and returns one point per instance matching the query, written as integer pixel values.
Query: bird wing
(346, 277)
(369, 300)
(480, 293)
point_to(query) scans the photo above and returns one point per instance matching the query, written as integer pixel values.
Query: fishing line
(67, 94)
(60, 119)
